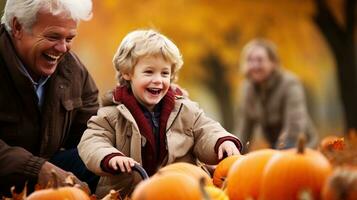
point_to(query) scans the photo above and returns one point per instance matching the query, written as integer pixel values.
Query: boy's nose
(156, 78)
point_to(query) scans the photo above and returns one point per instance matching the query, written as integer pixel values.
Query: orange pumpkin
(293, 173)
(221, 171)
(341, 185)
(173, 186)
(244, 177)
(62, 193)
(188, 169)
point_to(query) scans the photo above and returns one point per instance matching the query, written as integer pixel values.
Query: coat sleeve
(17, 160)
(245, 123)
(98, 140)
(296, 118)
(207, 134)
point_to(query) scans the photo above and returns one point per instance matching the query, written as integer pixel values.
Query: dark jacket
(279, 108)
(29, 136)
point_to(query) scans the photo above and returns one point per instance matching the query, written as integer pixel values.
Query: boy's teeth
(154, 90)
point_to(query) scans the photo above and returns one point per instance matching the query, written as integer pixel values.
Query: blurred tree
(342, 40)
(220, 86)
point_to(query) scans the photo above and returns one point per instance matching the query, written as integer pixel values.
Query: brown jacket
(279, 107)
(190, 135)
(29, 136)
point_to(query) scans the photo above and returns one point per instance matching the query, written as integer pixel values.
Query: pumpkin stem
(203, 190)
(55, 179)
(301, 143)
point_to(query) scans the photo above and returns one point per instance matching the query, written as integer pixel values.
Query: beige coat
(190, 136)
(279, 108)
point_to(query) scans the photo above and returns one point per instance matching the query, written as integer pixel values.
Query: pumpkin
(341, 185)
(173, 186)
(293, 173)
(215, 193)
(221, 171)
(188, 169)
(61, 193)
(244, 177)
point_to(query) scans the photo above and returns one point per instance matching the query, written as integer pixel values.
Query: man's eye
(69, 40)
(52, 38)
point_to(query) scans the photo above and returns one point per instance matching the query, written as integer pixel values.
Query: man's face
(41, 48)
(259, 66)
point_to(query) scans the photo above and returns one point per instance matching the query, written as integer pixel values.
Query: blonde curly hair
(139, 43)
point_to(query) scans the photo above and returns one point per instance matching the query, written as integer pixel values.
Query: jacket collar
(12, 63)
(125, 96)
(270, 83)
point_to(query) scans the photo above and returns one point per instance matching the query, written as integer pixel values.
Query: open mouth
(154, 91)
(50, 57)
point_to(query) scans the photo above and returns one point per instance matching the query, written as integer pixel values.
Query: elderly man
(47, 95)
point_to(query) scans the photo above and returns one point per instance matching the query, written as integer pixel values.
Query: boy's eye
(147, 71)
(166, 73)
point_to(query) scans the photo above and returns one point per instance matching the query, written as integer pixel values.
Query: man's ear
(16, 28)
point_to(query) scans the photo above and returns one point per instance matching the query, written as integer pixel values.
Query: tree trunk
(341, 41)
(217, 82)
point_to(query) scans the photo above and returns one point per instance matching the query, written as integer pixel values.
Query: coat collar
(12, 63)
(269, 85)
(124, 95)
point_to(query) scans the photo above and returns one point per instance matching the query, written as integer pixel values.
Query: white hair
(26, 10)
(140, 43)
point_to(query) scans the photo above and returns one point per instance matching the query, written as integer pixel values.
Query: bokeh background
(211, 34)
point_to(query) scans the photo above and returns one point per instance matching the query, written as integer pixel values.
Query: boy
(145, 121)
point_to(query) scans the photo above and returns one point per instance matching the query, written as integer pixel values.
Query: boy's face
(150, 80)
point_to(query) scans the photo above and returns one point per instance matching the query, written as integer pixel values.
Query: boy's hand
(125, 163)
(227, 147)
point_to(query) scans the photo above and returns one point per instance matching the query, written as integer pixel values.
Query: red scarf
(151, 162)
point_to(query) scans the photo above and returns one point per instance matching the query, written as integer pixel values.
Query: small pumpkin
(174, 186)
(221, 171)
(188, 169)
(244, 177)
(293, 173)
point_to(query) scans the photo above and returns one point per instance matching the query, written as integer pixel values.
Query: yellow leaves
(109, 4)
(200, 26)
